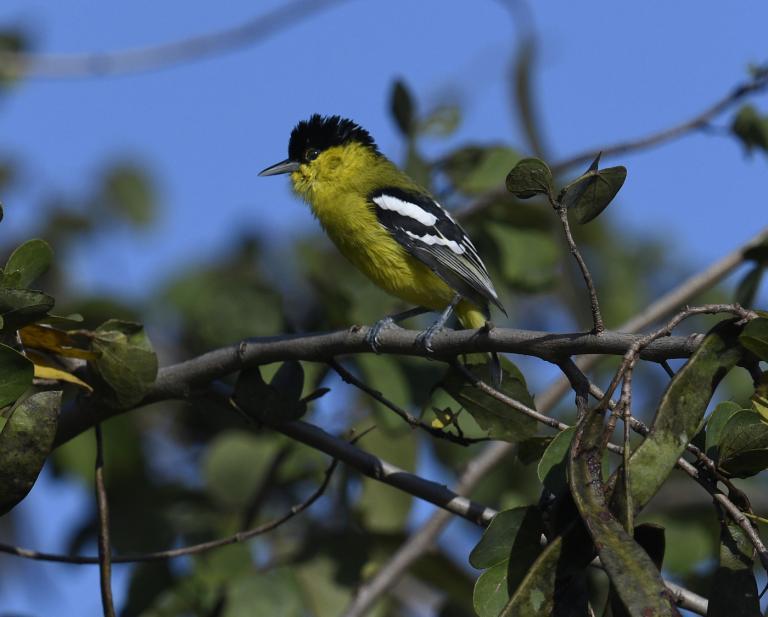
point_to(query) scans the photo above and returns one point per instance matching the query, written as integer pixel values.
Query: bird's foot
(372, 338)
(425, 338)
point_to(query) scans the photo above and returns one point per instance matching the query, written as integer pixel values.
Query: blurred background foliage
(178, 474)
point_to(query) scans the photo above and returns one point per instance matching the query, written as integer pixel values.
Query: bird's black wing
(432, 236)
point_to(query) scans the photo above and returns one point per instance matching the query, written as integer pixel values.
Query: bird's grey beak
(283, 167)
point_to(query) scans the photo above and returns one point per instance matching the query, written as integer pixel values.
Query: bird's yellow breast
(351, 224)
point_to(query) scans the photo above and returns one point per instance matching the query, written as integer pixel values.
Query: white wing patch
(431, 240)
(405, 208)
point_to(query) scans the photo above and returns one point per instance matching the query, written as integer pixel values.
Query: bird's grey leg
(425, 338)
(372, 338)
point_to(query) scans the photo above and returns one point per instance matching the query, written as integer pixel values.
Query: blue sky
(608, 71)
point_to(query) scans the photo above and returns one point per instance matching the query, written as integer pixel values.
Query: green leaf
(733, 590)
(234, 465)
(633, 575)
(383, 508)
(717, 420)
(385, 374)
(491, 593)
(274, 593)
(403, 108)
(10, 280)
(747, 288)
(500, 421)
(509, 546)
(528, 258)
(751, 128)
(126, 362)
(529, 177)
(651, 538)
(16, 373)
(507, 530)
(680, 414)
(755, 337)
(552, 466)
(30, 260)
(19, 307)
(556, 578)
(590, 193)
(128, 192)
(759, 398)
(25, 442)
(474, 170)
(278, 401)
(533, 448)
(743, 450)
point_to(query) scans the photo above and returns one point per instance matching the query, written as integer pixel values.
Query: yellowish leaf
(45, 369)
(760, 397)
(38, 336)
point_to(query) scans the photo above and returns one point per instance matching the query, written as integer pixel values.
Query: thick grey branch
(181, 380)
(178, 380)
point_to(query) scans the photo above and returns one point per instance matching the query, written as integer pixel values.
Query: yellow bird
(388, 226)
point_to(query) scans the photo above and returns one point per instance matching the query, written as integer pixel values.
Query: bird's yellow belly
(364, 242)
(390, 267)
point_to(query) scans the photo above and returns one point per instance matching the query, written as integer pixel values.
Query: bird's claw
(425, 338)
(372, 338)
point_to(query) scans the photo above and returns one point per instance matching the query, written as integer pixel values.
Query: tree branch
(156, 57)
(597, 319)
(180, 381)
(757, 83)
(676, 131)
(241, 536)
(105, 547)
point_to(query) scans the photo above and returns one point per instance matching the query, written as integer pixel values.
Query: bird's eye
(310, 154)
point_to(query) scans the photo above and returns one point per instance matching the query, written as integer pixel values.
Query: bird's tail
(473, 318)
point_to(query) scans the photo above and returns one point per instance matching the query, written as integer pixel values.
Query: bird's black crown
(323, 132)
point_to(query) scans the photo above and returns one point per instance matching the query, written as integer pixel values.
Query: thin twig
(629, 508)
(597, 319)
(736, 515)
(667, 369)
(156, 57)
(507, 400)
(241, 536)
(757, 83)
(409, 418)
(698, 122)
(104, 545)
(630, 356)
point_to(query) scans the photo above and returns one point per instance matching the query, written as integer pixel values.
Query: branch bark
(182, 380)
